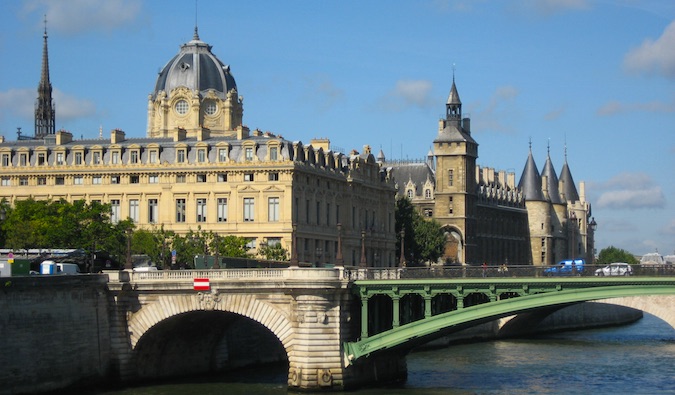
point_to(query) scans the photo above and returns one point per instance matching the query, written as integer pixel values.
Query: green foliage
(274, 252)
(424, 240)
(612, 254)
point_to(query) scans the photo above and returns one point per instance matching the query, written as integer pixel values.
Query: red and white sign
(201, 284)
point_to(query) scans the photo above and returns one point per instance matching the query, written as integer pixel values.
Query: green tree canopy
(424, 240)
(612, 254)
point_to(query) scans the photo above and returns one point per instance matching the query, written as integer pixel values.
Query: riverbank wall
(54, 332)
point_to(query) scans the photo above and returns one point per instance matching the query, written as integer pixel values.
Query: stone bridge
(327, 323)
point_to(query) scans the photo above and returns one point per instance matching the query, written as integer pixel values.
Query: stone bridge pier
(162, 327)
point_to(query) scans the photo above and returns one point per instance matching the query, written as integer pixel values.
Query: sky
(590, 81)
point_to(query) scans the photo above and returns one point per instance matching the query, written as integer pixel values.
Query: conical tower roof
(551, 181)
(569, 189)
(530, 181)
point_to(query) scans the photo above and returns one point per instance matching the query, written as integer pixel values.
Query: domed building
(194, 90)
(199, 167)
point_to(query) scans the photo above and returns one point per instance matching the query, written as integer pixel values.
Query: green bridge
(404, 313)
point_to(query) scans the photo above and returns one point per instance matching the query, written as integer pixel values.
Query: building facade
(199, 167)
(485, 215)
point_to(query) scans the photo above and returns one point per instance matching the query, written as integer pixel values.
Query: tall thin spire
(45, 115)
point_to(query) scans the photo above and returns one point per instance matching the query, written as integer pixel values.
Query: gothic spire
(45, 116)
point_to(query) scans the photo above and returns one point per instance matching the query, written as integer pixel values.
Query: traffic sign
(201, 284)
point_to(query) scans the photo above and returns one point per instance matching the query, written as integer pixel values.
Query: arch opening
(203, 343)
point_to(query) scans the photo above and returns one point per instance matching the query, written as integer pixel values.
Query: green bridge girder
(525, 294)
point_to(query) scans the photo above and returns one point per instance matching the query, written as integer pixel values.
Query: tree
(612, 254)
(274, 252)
(424, 240)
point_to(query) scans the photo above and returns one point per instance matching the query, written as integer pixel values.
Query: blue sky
(594, 76)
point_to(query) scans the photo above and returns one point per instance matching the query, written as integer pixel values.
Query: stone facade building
(200, 167)
(486, 216)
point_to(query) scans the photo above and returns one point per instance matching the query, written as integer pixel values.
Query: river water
(634, 359)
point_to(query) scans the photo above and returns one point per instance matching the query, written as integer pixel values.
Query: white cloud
(631, 191)
(69, 108)
(76, 16)
(322, 92)
(654, 56)
(18, 102)
(616, 107)
(497, 114)
(669, 229)
(408, 93)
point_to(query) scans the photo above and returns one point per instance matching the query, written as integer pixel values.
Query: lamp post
(363, 262)
(216, 245)
(294, 247)
(338, 257)
(319, 251)
(401, 261)
(129, 265)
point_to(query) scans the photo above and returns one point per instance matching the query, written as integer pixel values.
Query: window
(327, 213)
(201, 155)
(41, 159)
(59, 158)
(23, 181)
(5, 182)
(222, 155)
(450, 205)
(42, 181)
(451, 177)
(318, 213)
(222, 177)
(273, 176)
(222, 209)
(182, 107)
(180, 156)
(428, 212)
(78, 180)
(96, 158)
(180, 210)
(248, 177)
(133, 157)
(201, 210)
(249, 207)
(410, 193)
(274, 153)
(78, 158)
(96, 180)
(133, 209)
(201, 177)
(273, 209)
(134, 179)
(153, 179)
(153, 211)
(5, 160)
(153, 156)
(307, 211)
(252, 243)
(115, 211)
(211, 107)
(60, 181)
(115, 158)
(248, 153)
(23, 159)
(427, 193)
(180, 178)
(115, 179)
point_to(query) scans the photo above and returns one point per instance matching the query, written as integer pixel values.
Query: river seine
(634, 359)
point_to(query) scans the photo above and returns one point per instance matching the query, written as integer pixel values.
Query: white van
(67, 268)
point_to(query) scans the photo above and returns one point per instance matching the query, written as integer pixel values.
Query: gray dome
(195, 68)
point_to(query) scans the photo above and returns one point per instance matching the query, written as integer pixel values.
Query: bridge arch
(658, 306)
(247, 305)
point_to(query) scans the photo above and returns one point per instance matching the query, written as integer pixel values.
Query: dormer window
(182, 106)
(248, 153)
(410, 193)
(210, 107)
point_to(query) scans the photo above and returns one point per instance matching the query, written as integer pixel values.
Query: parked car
(567, 267)
(615, 269)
